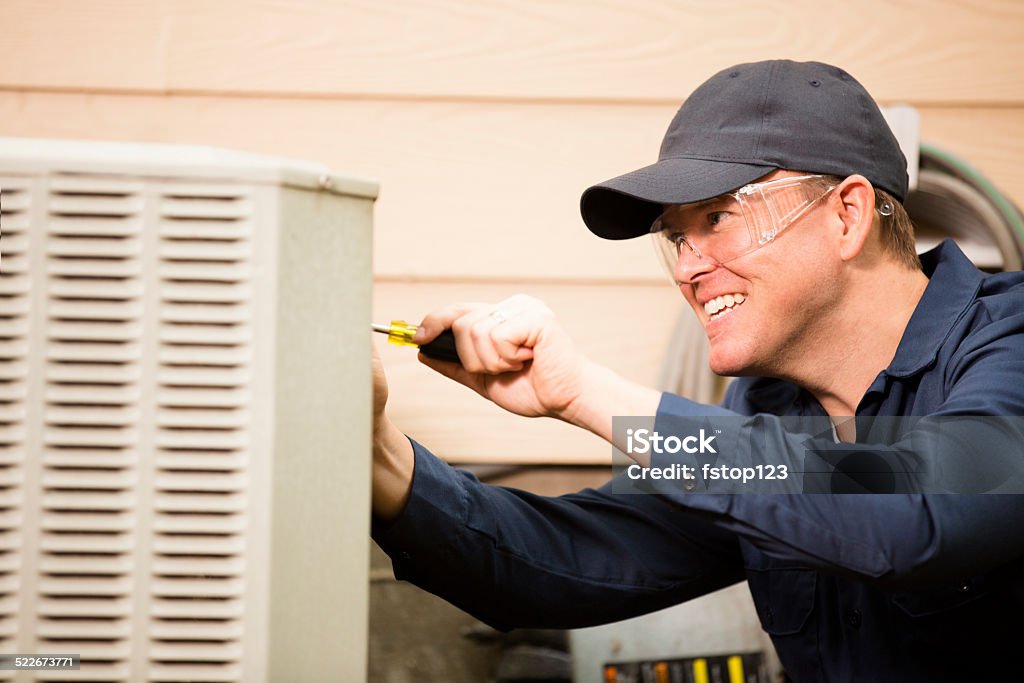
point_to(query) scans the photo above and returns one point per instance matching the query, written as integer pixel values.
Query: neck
(834, 375)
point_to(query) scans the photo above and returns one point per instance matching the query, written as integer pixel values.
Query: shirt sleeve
(900, 539)
(515, 559)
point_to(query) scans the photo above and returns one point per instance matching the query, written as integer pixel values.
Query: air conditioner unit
(184, 413)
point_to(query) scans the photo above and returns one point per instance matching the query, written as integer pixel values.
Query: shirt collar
(953, 284)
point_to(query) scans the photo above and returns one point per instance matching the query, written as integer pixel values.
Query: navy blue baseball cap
(743, 123)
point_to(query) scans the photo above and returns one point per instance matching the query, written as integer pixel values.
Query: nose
(690, 264)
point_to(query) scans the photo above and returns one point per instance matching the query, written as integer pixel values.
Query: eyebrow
(705, 202)
(701, 204)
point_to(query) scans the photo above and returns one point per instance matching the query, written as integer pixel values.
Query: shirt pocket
(784, 598)
(976, 619)
(947, 599)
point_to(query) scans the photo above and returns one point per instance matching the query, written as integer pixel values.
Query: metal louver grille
(202, 448)
(91, 445)
(165, 362)
(14, 307)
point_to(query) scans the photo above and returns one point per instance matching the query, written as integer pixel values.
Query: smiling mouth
(721, 305)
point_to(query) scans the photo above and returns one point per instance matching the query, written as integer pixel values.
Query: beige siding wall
(484, 120)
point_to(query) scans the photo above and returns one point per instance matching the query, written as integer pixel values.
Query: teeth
(722, 303)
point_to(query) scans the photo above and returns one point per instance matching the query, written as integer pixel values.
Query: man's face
(761, 309)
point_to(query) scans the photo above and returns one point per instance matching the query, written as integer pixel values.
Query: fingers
(473, 380)
(490, 338)
(501, 338)
(442, 319)
(482, 338)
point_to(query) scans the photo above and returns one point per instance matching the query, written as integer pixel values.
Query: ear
(857, 213)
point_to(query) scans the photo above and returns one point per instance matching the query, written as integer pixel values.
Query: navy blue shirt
(900, 587)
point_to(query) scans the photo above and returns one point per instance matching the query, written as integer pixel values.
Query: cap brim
(626, 206)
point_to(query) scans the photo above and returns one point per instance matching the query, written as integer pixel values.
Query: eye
(677, 238)
(716, 218)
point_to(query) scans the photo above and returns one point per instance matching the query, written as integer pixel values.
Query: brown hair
(896, 231)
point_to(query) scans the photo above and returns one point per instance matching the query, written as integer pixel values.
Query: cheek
(691, 300)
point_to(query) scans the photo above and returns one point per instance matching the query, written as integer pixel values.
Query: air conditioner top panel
(21, 156)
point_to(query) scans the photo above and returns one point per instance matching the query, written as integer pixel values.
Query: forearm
(900, 541)
(392, 469)
(512, 558)
(890, 537)
(604, 395)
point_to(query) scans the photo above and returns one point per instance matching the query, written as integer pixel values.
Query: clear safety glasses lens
(737, 223)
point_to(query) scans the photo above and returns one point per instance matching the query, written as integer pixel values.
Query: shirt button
(404, 556)
(853, 618)
(769, 616)
(690, 485)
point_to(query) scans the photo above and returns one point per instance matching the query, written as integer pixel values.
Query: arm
(512, 558)
(515, 559)
(891, 538)
(896, 539)
(391, 468)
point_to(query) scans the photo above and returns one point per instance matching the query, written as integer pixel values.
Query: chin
(726, 368)
(731, 362)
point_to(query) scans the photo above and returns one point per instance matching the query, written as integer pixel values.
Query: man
(777, 200)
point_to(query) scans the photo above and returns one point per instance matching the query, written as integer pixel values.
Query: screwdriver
(440, 348)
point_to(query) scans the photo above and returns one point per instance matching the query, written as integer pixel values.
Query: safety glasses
(737, 223)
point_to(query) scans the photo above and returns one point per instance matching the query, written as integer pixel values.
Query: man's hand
(514, 353)
(517, 355)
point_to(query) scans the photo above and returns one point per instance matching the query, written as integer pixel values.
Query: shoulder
(982, 358)
(1001, 296)
(997, 313)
